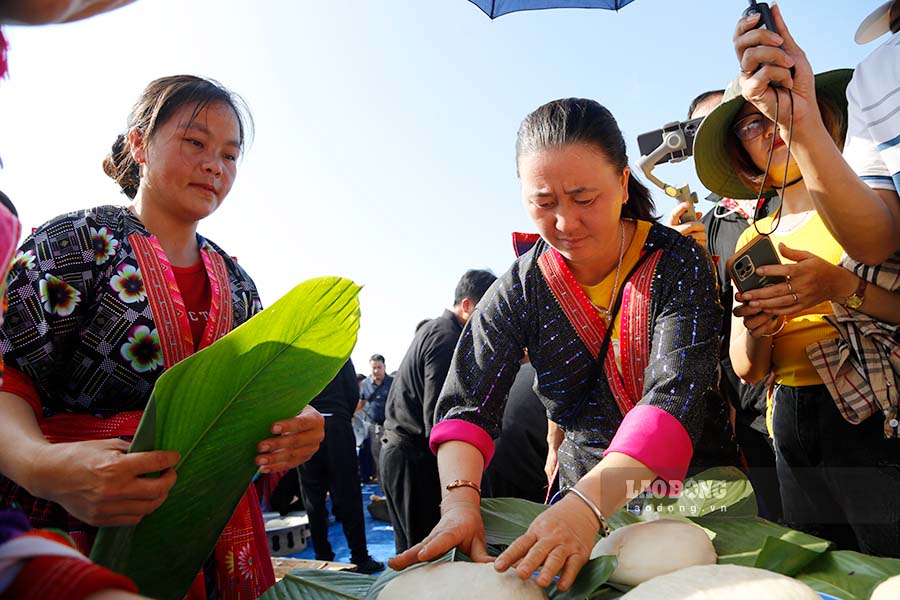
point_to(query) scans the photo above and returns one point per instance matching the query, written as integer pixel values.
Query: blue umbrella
(495, 8)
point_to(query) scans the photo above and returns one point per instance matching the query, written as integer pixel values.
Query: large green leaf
(505, 519)
(590, 580)
(214, 408)
(739, 540)
(784, 557)
(316, 584)
(848, 575)
(716, 491)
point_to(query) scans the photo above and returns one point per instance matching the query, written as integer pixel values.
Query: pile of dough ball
(653, 548)
(889, 589)
(460, 581)
(718, 582)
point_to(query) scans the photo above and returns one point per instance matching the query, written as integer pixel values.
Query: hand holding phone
(742, 266)
(766, 21)
(765, 15)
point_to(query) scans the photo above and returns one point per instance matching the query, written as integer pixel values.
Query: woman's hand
(757, 322)
(810, 281)
(764, 64)
(460, 527)
(560, 538)
(694, 229)
(98, 483)
(298, 438)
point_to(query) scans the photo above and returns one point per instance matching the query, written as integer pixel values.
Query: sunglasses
(751, 127)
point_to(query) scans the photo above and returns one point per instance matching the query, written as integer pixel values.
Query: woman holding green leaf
(101, 302)
(620, 320)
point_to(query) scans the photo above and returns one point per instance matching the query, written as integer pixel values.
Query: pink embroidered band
(657, 439)
(462, 431)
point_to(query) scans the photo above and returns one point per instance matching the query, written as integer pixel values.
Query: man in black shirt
(333, 468)
(408, 468)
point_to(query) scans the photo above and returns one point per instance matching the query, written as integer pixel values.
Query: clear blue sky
(384, 128)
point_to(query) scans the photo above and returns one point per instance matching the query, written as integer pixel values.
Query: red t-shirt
(197, 295)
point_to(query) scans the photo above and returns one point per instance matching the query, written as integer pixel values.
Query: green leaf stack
(214, 408)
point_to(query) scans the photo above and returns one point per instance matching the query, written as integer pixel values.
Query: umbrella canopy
(495, 8)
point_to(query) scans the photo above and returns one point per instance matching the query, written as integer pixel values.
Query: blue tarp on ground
(379, 534)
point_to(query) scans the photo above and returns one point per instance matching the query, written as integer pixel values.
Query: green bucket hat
(711, 157)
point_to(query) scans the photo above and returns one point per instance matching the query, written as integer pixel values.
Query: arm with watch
(811, 280)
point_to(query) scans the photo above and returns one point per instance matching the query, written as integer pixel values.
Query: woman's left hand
(561, 538)
(297, 439)
(810, 281)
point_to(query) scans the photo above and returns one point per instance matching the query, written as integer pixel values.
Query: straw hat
(711, 156)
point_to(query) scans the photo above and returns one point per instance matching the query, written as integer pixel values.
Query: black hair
(376, 357)
(472, 285)
(700, 99)
(582, 121)
(157, 103)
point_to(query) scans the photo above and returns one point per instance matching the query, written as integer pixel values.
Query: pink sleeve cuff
(462, 431)
(657, 439)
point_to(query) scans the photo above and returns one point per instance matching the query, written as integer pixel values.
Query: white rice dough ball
(722, 582)
(460, 581)
(652, 548)
(889, 589)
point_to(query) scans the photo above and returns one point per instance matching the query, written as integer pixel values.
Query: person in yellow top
(831, 472)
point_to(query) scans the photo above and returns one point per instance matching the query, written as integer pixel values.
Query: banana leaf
(316, 584)
(716, 491)
(214, 408)
(784, 557)
(740, 540)
(848, 575)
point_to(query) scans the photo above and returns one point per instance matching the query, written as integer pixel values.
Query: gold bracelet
(463, 483)
(777, 331)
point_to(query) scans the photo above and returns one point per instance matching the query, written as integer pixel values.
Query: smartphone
(766, 20)
(650, 141)
(742, 266)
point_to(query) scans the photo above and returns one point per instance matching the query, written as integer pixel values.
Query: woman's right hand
(694, 229)
(99, 483)
(460, 527)
(766, 58)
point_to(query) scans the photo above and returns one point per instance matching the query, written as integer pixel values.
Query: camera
(650, 141)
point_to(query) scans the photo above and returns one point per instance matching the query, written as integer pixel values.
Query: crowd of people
(614, 350)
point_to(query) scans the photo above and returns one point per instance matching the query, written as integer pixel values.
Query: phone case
(742, 266)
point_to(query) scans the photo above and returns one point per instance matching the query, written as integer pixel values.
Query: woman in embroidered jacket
(101, 302)
(620, 319)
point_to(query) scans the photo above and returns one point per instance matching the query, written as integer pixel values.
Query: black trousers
(838, 480)
(760, 455)
(332, 469)
(412, 489)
